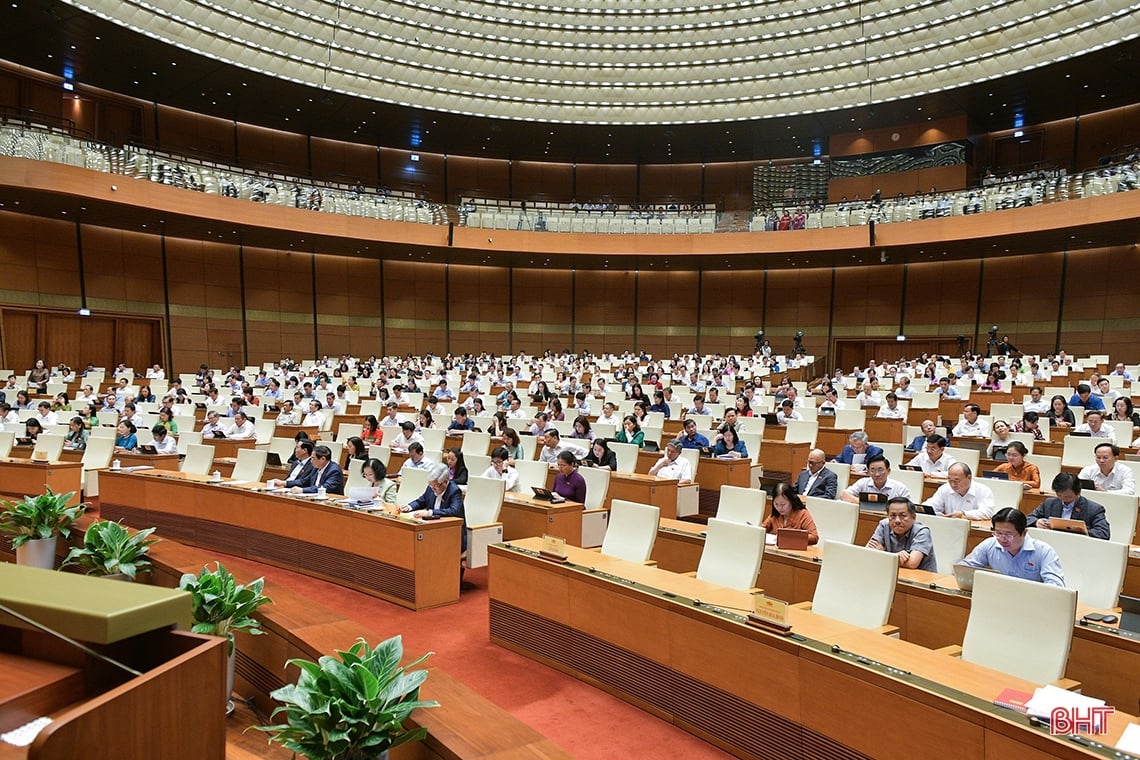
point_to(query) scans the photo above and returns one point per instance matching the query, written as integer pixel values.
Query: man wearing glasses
(902, 535)
(1011, 552)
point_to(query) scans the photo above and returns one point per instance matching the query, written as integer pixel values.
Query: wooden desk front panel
(22, 477)
(416, 565)
(522, 518)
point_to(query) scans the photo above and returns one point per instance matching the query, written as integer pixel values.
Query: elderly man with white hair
(441, 498)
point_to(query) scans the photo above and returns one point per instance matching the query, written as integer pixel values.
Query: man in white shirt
(163, 443)
(442, 392)
(155, 373)
(1104, 389)
(315, 417)
(288, 415)
(551, 442)
(868, 396)
(793, 395)
(904, 390)
(878, 480)
(933, 459)
(390, 419)
(45, 415)
(1107, 473)
(787, 413)
(416, 460)
(242, 428)
(892, 410)
(406, 437)
(971, 426)
(831, 400)
(673, 465)
(213, 425)
(609, 414)
(333, 405)
(1094, 426)
(1119, 371)
(1035, 401)
(960, 496)
(515, 412)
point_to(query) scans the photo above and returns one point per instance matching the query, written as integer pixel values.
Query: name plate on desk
(553, 548)
(770, 613)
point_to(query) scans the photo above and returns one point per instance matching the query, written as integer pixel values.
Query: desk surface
(411, 562)
(635, 631)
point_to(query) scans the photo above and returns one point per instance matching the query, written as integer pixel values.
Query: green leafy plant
(38, 517)
(221, 605)
(354, 703)
(109, 548)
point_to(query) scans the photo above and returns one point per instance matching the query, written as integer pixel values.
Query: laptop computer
(995, 475)
(770, 418)
(998, 454)
(542, 493)
(1079, 434)
(651, 446)
(825, 411)
(148, 449)
(964, 575)
(273, 459)
(1129, 613)
(1087, 484)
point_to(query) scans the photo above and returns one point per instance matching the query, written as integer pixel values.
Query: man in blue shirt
(1083, 397)
(691, 438)
(1011, 552)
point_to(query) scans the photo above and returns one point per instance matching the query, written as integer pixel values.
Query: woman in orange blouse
(789, 512)
(372, 434)
(1017, 468)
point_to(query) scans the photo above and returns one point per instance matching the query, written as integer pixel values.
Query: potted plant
(222, 606)
(352, 706)
(36, 523)
(111, 550)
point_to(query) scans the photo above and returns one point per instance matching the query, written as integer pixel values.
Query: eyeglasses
(1004, 536)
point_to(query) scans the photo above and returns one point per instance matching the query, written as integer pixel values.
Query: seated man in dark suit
(441, 498)
(1070, 505)
(858, 451)
(326, 474)
(919, 442)
(302, 466)
(817, 480)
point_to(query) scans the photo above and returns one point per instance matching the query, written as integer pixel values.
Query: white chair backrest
(752, 442)
(109, 418)
(477, 463)
(835, 520)
(107, 432)
(912, 479)
(532, 473)
(529, 444)
(972, 457)
(336, 448)
(1094, 567)
(1049, 467)
(1078, 451)
(98, 453)
(199, 459)
(1120, 511)
(949, 535)
(632, 531)
(434, 439)
(802, 431)
(263, 428)
(250, 465)
(1007, 493)
(381, 452)
(475, 442)
(850, 419)
(732, 554)
(694, 457)
(856, 584)
(413, 483)
(7, 440)
(282, 447)
(741, 505)
(48, 447)
(483, 501)
(597, 486)
(354, 475)
(1037, 648)
(892, 451)
(842, 474)
(626, 456)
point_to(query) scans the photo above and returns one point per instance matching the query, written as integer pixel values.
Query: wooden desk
(157, 461)
(525, 516)
(663, 493)
(412, 563)
(884, 430)
(23, 477)
(290, 431)
(781, 456)
(612, 624)
(831, 439)
(228, 447)
(932, 617)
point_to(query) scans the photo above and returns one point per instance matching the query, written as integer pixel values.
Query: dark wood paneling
(667, 312)
(542, 310)
(799, 300)
(661, 183)
(342, 161)
(884, 139)
(285, 152)
(399, 172)
(1021, 294)
(178, 129)
(868, 301)
(729, 185)
(731, 302)
(606, 182)
(536, 179)
(20, 350)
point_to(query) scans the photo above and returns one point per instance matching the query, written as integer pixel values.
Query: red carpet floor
(583, 720)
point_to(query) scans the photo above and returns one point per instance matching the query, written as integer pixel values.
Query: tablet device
(995, 475)
(792, 538)
(148, 449)
(1130, 613)
(542, 493)
(998, 454)
(873, 500)
(651, 446)
(273, 459)
(924, 509)
(1087, 484)
(1068, 526)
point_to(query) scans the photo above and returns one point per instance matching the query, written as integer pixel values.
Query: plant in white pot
(221, 606)
(350, 707)
(111, 550)
(36, 523)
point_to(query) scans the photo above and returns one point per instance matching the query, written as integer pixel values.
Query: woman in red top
(372, 433)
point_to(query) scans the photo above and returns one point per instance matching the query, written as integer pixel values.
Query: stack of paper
(1047, 698)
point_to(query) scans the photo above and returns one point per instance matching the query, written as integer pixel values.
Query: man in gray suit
(817, 480)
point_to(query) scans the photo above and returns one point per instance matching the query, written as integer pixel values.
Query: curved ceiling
(630, 61)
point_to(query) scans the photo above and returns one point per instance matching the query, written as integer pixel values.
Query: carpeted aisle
(583, 720)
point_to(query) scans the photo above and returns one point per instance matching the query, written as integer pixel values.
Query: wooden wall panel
(539, 179)
(941, 298)
(399, 172)
(477, 177)
(1103, 133)
(123, 270)
(798, 300)
(729, 185)
(667, 313)
(204, 303)
(364, 307)
(732, 310)
(20, 349)
(1021, 294)
(604, 310)
(606, 182)
(285, 152)
(478, 309)
(1098, 307)
(415, 308)
(341, 161)
(663, 183)
(883, 139)
(178, 129)
(542, 310)
(868, 301)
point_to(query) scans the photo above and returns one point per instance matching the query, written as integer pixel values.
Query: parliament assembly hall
(751, 378)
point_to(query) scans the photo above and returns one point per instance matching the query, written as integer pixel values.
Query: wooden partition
(65, 336)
